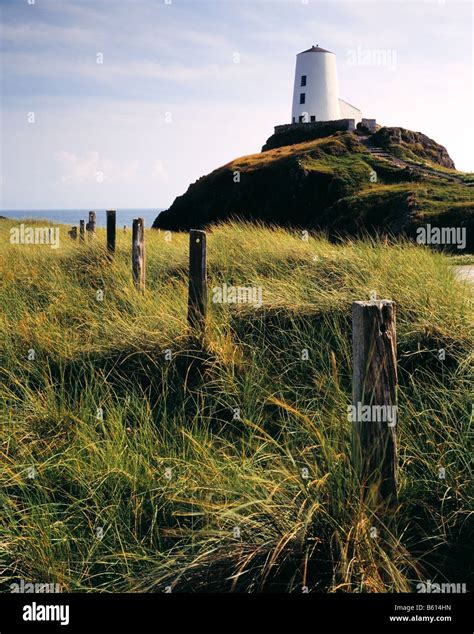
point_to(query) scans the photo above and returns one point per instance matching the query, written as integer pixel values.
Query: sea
(72, 216)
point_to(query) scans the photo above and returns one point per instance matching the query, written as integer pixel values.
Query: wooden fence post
(197, 297)
(90, 226)
(111, 230)
(374, 384)
(73, 233)
(138, 253)
(81, 230)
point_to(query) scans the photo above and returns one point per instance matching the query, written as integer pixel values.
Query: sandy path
(465, 272)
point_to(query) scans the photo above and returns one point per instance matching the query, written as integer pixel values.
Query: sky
(125, 103)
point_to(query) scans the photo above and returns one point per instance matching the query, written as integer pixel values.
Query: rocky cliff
(337, 183)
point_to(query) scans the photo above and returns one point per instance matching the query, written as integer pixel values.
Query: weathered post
(73, 233)
(81, 230)
(197, 297)
(111, 230)
(374, 398)
(138, 253)
(90, 226)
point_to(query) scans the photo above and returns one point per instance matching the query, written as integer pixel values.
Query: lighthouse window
(313, 117)
(303, 80)
(302, 97)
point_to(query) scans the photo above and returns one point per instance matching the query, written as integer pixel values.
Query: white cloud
(160, 172)
(54, 66)
(92, 168)
(30, 34)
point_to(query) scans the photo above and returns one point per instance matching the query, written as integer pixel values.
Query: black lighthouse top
(315, 49)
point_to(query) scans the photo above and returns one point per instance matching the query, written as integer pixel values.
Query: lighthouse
(316, 91)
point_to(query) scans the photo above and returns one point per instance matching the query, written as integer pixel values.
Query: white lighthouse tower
(316, 92)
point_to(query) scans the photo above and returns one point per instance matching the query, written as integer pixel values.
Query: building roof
(316, 49)
(349, 104)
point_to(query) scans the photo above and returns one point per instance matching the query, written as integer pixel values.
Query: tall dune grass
(134, 459)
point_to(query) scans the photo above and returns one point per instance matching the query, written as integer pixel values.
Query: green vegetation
(225, 465)
(407, 144)
(465, 177)
(462, 259)
(336, 185)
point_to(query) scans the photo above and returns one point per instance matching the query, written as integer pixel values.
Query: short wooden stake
(197, 297)
(90, 226)
(374, 398)
(81, 230)
(138, 253)
(111, 230)
(73, 233)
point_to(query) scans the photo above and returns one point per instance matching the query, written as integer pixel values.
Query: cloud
(160, 172)
(31, 34)
(92, 168)
(53, 66)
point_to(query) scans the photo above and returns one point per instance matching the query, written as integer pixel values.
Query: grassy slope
(434, 197)
(328, 183)
(169, 474)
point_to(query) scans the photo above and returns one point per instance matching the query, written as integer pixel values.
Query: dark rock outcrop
(409, 144)
(333, 184)
(301, 132)
(282, 186)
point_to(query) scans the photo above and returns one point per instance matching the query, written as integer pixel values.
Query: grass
(466, 177)
(345, 157)
(333, 184)
(135, 459)
(320, 148)
(462, 260)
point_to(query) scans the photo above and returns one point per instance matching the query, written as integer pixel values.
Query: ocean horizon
(72, 216)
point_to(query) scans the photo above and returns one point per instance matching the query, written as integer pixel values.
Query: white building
(316, 92)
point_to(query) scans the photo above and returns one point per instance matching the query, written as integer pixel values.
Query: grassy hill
(335, 184)
(135, 459)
